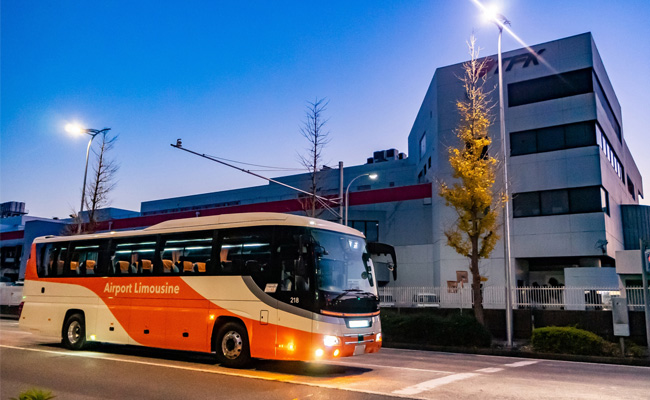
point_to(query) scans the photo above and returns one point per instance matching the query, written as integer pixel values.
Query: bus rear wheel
(231, 345)
(74, 332)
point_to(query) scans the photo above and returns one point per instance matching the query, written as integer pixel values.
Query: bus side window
(133, 256)
(60, 261)
(247, 251)
(187, 253)
(84, 258)
(46, 254)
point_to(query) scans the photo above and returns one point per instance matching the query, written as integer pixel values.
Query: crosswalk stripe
(521, 364)
(489, 370)
(434, 383)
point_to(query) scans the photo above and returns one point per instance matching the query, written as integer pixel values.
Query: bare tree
(313, 129)
(473, 196)
(103, 179)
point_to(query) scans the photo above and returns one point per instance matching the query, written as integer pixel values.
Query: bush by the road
(569, 340)
(429, 329)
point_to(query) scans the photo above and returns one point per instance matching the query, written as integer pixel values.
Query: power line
(269, 168)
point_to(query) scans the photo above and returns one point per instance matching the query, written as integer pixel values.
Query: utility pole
(340, 192)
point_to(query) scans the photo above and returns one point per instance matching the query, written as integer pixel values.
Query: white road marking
(520, 364)
(434, 383)
(489, 370)
(365, 365)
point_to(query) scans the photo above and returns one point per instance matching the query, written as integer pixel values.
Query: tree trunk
(477, 293)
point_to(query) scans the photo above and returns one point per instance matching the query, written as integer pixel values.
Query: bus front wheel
(74, 332)
(231, 345)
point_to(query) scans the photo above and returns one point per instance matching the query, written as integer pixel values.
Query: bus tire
(231, 345)
(74, 332)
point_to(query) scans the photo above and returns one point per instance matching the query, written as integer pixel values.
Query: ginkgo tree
(472, 194)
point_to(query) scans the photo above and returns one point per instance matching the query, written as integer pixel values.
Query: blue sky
(232, 79)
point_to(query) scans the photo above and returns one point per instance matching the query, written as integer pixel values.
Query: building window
(550, 87)
(587, 199)
(630, 187)
(604, 144)
(600, 93)
(553, 138)
(423, 144)
(369, 228)
(554, 202)
(526, 204)
(604, 200)
(562, 201)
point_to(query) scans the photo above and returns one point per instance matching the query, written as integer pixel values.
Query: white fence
(559, 298)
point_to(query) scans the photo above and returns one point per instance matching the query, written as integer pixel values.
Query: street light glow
(74, 128)
(490, 12)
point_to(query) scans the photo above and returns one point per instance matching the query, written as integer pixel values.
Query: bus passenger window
(133, 256)
(187, 254)
(83, 258)
(248, 252)
(60, 262)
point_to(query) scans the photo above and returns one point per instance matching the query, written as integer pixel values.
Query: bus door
(246, 254)
(187, 258)
(295, 294)
(140, 312)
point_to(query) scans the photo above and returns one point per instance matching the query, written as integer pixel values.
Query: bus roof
(215, 222)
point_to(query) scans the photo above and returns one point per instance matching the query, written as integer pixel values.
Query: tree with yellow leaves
(472, 195)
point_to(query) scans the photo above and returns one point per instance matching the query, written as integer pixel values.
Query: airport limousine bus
(256, 285)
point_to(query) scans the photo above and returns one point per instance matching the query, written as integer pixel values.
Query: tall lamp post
(76, 129)
(347, 192)
(500, 22)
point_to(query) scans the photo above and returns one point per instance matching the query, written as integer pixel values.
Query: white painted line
(521, 364)
(434, 383)
(365, 365)
(489, 370)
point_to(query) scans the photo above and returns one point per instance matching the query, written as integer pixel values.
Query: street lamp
(372, 176)
(500, 22)
(77, 130)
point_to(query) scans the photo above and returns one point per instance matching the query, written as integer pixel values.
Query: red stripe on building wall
(402, 193)
(12, 235)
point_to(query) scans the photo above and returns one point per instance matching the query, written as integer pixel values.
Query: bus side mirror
(383, 248)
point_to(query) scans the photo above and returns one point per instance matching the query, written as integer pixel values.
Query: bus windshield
(342, 264)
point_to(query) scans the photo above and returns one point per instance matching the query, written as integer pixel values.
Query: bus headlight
(378, 337)
(330, 341)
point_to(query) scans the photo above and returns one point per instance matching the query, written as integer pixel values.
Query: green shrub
(426, 328)
(34, 394)
(634, 350)
(569, 340)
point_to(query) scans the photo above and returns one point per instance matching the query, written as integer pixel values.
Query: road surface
(123, 372)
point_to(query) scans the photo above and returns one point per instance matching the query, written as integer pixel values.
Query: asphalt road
(129, 372)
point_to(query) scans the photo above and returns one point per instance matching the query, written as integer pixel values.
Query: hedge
(569, 340)
(425, 328)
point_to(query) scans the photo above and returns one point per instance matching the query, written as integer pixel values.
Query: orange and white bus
(257, 285)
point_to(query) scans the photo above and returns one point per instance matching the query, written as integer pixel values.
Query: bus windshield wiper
(347, 291)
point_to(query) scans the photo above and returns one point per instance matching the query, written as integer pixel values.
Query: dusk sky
(232, 80)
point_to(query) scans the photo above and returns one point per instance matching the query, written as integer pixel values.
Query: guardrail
(560, 298)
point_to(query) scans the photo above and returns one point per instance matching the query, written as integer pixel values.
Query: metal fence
(559, 298)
